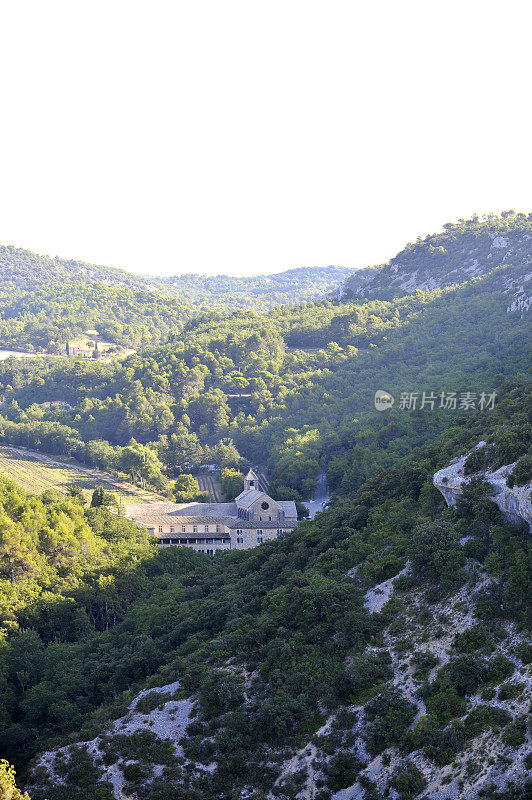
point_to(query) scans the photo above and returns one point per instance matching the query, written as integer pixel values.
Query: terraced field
(211, 484)
(36, 472)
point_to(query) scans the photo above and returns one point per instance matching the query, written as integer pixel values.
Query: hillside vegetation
(463, 251)
(272, 642)
(44, 302)
(382, 649)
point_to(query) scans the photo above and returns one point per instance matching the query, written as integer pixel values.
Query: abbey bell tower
(251, 481)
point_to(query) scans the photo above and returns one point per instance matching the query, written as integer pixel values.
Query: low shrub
(389, 715)
(483, 718)
(509, 691)
(498, 669)
(408, 781)
(515, 734)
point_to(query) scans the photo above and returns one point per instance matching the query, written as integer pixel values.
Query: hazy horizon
(252, 274)
(239, 139)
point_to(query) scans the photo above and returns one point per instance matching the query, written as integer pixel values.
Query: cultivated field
(36, 472)
(210, 484)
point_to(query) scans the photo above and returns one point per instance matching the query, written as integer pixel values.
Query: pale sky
(232, 136)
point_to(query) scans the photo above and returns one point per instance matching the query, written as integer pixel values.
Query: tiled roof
(155, 514)
(181, 509)
(249, 496)
(289, 508)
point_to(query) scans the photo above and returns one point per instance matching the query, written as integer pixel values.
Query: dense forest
(92, 610)
(45, 302)
(291, 390)
(277, 646)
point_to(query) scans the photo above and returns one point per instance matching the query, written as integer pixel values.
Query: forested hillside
(258, 292)
(44, 302)
(292, 389)
(272, 643)
(301, 668)
(464, 250)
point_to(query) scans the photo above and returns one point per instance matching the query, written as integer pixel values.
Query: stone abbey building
(252, 518)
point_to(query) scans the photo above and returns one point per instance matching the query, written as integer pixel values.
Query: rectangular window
(218, 529)
(171, 528)
(160, 528)
(206, 529)
(240, 540)
(194, 529)
(183, 529)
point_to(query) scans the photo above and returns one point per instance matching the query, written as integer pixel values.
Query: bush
(488, 693)
(342, 771)
(345, 720)
(473, 639)
(480, 459)
(364, 673)
(134, 772)
(443, 701)
(524, 652)
(220, 692)
(466, 673)
(389, 715)
(436, 555)
(522, 472)
(423, 662)
(141, 745)
(484, 717)
(499, 668)
(441, 745)
(151, 701)
(408, 781)
(509, 691)
(515, 734)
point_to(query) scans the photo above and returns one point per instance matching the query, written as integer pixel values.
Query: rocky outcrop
(499, 253)
(486, 759)
(167, 720)
(514, 502)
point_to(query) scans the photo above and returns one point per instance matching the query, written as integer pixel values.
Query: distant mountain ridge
(26, 270)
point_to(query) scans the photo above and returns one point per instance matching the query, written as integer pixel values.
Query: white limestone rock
(514, 502)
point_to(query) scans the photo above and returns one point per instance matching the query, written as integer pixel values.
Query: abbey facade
(251, 519)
